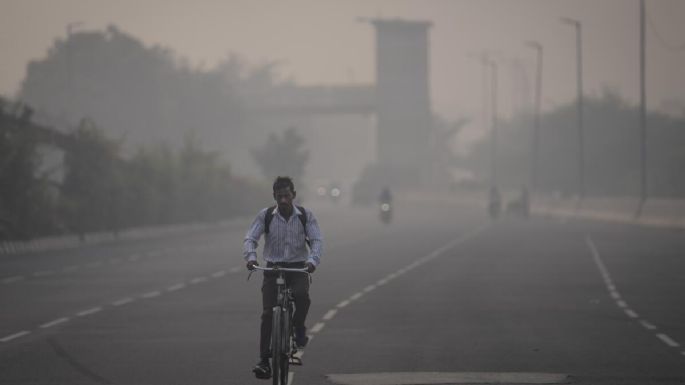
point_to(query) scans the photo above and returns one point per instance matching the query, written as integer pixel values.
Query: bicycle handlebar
(278, 268)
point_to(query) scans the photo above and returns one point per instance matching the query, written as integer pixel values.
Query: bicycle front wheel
(276, 346)
(285, 345)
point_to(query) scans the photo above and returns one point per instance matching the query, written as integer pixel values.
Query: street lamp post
(493, 133)
(579, 66)
(536, 125)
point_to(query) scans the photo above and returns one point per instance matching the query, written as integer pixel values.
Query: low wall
(655, 212)
(73, 241)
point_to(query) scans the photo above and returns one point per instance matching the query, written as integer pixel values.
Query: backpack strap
(268, 217)
(303, 218)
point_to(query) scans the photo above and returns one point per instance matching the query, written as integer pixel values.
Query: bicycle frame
(282, 339)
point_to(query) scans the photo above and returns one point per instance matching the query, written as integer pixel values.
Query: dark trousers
(299, 285)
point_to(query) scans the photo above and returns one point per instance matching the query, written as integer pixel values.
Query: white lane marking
(219, 274)
(614, 294)
(369, 288)
(343, 304)
(69, 269)
(330, 314)
(454, 378)
(89, 311)
(198, 280)
(381, 282)
(151, 294)
(175, 287)
(667, 340)
(43, 273)
(317, 328)
(122, 301)
(356, 296)
(236, 269)
(14, 336)
(291, 378)
(612, 289)
(13, 279)
(55, 322)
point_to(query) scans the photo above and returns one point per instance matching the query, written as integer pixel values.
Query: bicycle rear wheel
(276, 346)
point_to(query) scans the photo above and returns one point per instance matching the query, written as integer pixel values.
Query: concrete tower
(403, 95)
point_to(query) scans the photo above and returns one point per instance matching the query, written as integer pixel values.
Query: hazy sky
(321, 42)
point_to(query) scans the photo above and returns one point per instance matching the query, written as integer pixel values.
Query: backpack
(303, 218)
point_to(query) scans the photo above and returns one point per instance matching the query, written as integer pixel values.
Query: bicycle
(283, 347)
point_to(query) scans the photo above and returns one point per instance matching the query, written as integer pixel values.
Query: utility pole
(643, 114)
(579, 86)
(536, 123)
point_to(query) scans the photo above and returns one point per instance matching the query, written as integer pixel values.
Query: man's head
(284, 193)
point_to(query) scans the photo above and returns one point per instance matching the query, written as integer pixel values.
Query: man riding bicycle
(287, 229)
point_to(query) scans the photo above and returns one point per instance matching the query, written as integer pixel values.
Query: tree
(282, 155)
(92, 188)
(26, 202)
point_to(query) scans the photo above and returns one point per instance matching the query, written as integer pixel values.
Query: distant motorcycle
(385, 213)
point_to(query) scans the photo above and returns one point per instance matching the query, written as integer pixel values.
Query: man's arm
(315, 239)
(251, 241)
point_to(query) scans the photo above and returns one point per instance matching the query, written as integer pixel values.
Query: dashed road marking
(122, 301)
(631, 313)
(15, 336)
(197, 280)
(55, 322)
(151, 294)
(219, 274)
(369, 288)
(13, 279)
(343, 304)
(667, 340)
(356, 296)
(330, 314)
(317, 328)
(236, 269)
(622, 304)
(89, 311)
(175, 287)
(43, 273)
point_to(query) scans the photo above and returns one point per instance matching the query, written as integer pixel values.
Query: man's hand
(251, 265)
(310, 267)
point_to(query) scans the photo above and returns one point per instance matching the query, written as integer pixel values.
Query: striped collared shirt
(285, 241)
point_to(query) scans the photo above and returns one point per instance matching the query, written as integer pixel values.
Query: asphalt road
(441, 294)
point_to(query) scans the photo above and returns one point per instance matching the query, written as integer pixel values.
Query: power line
(659, 37)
